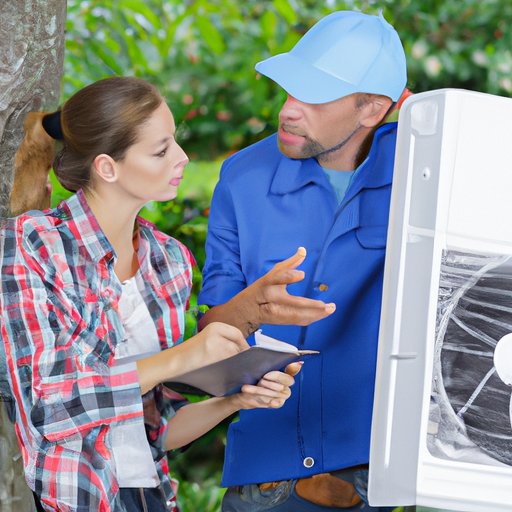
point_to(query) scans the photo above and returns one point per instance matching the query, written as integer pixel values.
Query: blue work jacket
(264, 207)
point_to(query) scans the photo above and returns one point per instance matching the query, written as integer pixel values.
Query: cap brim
(303, 81)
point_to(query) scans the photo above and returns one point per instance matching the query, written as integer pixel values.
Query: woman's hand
(215, 342)
(267, 301)
(272, 390)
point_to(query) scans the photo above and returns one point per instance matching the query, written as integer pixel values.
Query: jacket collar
(292, 175)
(375, 176)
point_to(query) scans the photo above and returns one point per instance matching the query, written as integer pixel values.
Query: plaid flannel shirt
(60, 327)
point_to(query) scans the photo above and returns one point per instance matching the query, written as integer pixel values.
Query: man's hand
(276, 305)
(271, 391)
(267, 301)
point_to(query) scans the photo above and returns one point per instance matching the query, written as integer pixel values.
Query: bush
(201, 54)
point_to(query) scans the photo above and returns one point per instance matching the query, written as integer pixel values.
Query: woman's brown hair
(103, 117)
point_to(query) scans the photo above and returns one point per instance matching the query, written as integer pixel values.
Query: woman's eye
(162, 153)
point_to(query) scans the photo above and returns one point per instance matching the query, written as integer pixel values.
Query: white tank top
(134, 463)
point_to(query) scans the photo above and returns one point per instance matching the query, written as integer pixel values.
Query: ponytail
(32, 163)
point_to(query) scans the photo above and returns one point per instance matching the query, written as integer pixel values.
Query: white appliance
(441, 431)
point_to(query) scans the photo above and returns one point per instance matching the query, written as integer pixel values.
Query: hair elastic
(52, 126)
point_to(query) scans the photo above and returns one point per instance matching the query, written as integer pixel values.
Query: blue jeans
(143, 499)
(283, 498)
(133, 500)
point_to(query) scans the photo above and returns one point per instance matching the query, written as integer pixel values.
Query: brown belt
(323, 489)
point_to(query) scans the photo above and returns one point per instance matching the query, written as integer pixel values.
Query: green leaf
(112, 44)
(138, 58)
(268, 27)
(144, 10)
(284, 8)
(170, 31)
(103, 53)
(210, 35)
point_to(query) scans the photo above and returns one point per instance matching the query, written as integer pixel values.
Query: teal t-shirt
(340, 181)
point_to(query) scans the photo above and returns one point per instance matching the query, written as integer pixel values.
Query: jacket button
(323, 287)
(308, 462)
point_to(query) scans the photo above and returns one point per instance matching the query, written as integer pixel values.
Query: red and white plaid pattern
(60, 327)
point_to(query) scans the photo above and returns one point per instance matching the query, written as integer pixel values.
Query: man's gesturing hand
(267, 301)
(275, 305)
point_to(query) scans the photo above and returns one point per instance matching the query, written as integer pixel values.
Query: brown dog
(33, 160)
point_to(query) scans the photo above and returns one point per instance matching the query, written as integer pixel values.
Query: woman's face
(152, 168)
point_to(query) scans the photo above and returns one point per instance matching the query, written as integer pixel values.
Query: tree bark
(31, 65)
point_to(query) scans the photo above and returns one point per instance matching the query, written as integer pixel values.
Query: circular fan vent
(474, 313)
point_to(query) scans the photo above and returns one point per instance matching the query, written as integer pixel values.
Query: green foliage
(195, 52)
(201, 53)
(460, 43)
(205, 496)
(200, 469)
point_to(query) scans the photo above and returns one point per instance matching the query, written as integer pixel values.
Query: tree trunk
(31, 63)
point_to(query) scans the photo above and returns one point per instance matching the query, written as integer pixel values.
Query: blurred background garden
(201, 55)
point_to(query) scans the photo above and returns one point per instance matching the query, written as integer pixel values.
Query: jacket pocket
(372, 237)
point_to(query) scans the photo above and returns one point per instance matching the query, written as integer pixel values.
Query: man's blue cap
(344, 53)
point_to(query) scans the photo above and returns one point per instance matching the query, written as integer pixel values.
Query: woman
(92, 298)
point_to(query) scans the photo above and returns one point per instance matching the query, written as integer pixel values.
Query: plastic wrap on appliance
(469, 417)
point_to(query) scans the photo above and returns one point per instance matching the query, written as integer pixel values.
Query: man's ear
(374, 110)
(104, 166)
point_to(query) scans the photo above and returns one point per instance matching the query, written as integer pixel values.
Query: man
(323, 182)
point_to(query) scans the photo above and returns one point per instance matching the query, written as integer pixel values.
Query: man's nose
(291, 109)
